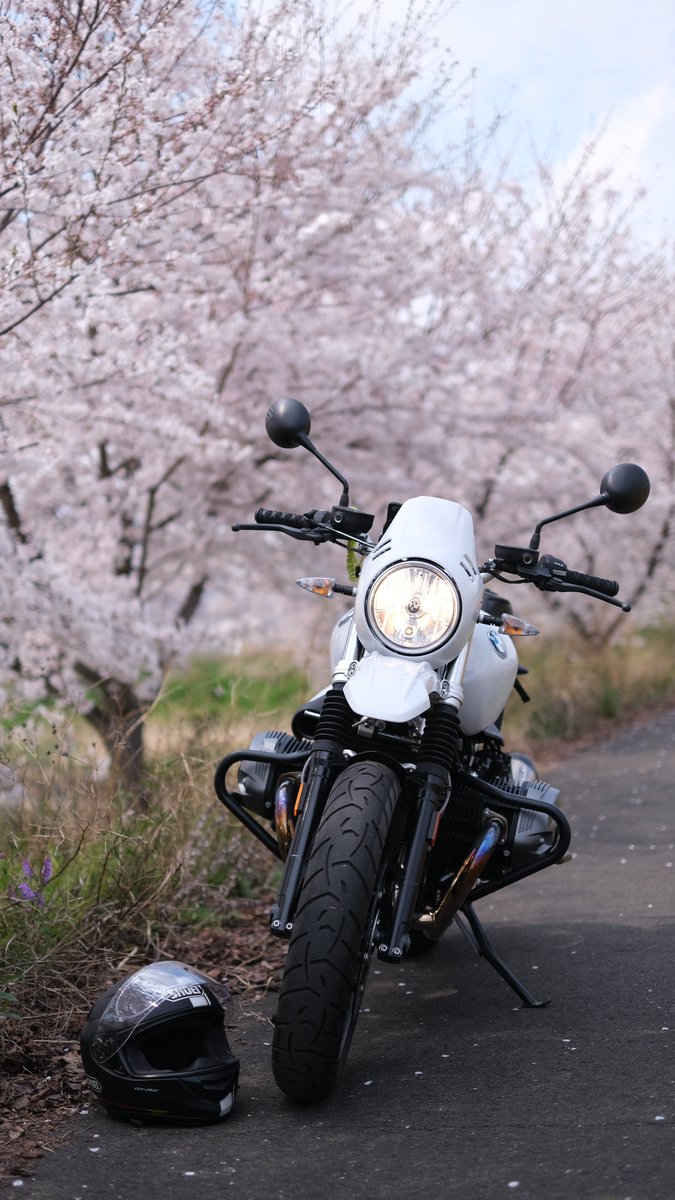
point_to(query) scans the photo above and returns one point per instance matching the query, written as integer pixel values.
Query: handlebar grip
(273, 516)
(608, 587)
(559, 571)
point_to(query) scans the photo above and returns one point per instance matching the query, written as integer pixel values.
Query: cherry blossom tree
(205, 208)
(544, 359)
(196, 206)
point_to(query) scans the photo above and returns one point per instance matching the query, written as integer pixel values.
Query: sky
(563, 72)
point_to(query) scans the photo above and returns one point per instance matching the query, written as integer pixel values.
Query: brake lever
(562, 586)
(544, 580)
(301, 535)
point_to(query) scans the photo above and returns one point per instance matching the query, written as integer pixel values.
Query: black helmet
(154, 1046)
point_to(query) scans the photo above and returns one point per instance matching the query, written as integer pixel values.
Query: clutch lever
(301, 535)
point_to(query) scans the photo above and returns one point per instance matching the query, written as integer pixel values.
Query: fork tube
(350, 654)
(453, 683)
(437, 753)
(333, 733)
(436, 757)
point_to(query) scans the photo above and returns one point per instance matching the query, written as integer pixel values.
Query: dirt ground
(42, 1082)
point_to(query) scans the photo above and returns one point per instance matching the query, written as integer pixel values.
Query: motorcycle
(393, 803)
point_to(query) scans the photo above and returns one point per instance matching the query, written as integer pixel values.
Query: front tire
(332, 940)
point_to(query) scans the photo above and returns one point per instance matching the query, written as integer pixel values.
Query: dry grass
(578, 690)
(93, 887)
(93, 883)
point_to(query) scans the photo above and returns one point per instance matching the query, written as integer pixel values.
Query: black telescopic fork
(437, 753)
(333, 734)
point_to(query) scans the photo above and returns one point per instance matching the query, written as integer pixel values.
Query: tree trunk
(117, 715)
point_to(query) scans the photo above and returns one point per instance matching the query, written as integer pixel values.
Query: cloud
(634, 144)
(561, 75)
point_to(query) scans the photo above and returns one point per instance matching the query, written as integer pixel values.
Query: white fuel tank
(338, 638)
(490, 675)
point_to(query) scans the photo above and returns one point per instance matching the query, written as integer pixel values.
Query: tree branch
(148, 527)
(36, 307)
(191, 602)
(11, 512)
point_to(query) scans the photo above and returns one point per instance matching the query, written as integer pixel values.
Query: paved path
(451, 1090)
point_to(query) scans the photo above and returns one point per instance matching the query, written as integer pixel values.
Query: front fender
(390, 689)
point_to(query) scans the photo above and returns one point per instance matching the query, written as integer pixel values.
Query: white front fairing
(396, 686)
(435, 531)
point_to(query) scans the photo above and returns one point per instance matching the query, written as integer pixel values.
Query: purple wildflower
(26, 890)
(28, 893)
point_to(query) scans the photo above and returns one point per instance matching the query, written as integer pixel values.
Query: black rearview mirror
(625, 488)
(288, 423)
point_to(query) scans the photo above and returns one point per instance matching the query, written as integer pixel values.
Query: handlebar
(342, 525)
(608, 587)
(551, 574)
(305, 528)
(547, 573)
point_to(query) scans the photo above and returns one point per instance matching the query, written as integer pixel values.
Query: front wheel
(334, 930)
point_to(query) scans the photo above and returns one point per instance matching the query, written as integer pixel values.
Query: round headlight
(413, 607)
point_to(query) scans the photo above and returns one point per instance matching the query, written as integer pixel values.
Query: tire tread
(325, 949)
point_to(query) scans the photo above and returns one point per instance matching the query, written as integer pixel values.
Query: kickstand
(481, 944)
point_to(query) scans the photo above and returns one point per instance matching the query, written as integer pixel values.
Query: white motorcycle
(393, 803)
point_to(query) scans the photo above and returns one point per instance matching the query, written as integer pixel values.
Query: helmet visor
(145, 991)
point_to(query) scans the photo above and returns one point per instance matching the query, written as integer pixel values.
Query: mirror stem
(303, 440)
(536, 536)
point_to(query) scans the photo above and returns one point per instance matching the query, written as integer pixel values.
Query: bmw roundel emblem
(498, 643)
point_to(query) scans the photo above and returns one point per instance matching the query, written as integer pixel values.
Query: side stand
(478, 939)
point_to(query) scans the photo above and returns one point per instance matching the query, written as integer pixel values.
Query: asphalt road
(452, 1089)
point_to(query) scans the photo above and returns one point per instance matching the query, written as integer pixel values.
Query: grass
(577, 689)
(210, 687)
(91, 888)
(87, 881)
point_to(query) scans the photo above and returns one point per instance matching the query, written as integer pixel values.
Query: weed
(576, 687)
(90, 880)
(212, 688)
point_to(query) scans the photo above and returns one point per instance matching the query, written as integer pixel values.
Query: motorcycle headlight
(413, 607)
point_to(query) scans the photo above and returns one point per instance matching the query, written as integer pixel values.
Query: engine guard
(232, 802)
(555, 854)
